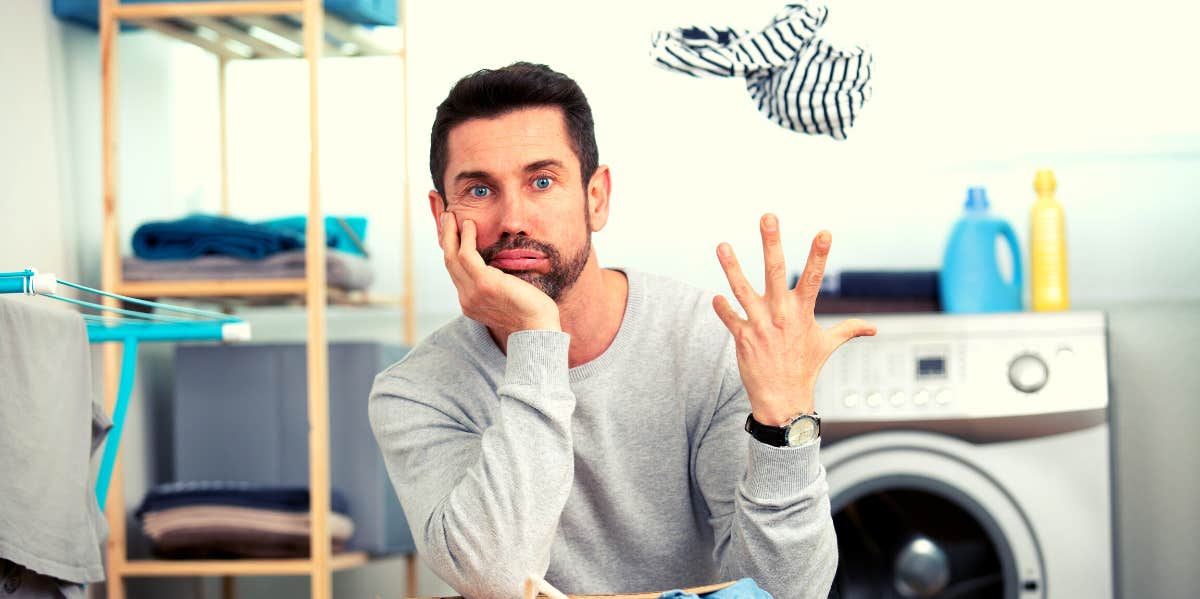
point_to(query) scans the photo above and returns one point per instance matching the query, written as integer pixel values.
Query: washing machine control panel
(931, 367)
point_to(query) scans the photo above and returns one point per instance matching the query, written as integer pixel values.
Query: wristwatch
(798, 431)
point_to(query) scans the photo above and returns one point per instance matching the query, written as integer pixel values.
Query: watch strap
(775, 436)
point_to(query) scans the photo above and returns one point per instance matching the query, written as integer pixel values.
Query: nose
(515, 215)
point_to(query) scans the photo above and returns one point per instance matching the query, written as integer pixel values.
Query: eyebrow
(532, 166)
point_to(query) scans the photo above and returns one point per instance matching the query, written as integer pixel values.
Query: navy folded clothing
(233, 493)
(909, 284)
(201, 235)
(877, 284)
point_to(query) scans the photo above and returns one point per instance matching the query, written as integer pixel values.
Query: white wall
(33, 181)
(965, 93)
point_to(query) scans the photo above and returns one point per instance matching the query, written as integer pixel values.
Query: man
(591, 424)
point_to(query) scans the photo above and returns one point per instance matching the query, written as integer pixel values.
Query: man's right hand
(487, 294)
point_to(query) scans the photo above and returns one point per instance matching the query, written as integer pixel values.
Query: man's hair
(490, 93)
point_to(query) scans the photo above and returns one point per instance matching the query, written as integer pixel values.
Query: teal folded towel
(745, 588)
(205, 235)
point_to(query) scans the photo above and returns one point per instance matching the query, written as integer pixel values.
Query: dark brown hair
(490, 93)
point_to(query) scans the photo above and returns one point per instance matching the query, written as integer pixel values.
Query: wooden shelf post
(173, 18)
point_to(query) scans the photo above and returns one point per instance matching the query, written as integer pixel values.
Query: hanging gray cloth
(796, 79)
(50, 523)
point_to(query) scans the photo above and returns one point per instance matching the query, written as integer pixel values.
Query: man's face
(518, 179)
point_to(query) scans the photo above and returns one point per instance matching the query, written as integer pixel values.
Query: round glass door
(909, 543)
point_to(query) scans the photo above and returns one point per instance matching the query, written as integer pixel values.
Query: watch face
(801, 431)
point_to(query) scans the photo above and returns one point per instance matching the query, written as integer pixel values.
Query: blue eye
(479, 191)
(542, 182)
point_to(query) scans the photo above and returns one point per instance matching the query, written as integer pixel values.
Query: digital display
(928, 367)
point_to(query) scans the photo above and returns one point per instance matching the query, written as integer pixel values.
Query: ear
(437, 207)
(599, 189)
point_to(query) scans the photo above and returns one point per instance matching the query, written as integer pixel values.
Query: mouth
(518, 260)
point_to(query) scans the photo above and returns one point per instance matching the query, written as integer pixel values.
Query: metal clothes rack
(129, 330)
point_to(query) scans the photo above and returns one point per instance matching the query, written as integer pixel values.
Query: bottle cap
(976, 199)
(1044, 181)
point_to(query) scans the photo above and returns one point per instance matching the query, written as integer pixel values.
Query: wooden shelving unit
(244, 30)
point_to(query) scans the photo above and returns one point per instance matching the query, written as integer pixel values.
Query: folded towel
(227, 519)
(233, 493)
(344, 233)
(342, 270)
(210, 517)
(203, 234)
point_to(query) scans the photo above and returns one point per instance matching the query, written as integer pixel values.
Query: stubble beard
(562, 273)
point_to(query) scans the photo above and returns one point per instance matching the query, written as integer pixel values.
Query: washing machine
(968, 456)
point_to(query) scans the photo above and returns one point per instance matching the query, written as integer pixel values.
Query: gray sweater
(629, 473)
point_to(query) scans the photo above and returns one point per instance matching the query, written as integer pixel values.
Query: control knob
(1028, 373)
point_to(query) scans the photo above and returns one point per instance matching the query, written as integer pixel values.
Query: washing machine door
(915, 518)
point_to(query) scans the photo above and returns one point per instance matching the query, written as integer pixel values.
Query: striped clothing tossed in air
(797, 80)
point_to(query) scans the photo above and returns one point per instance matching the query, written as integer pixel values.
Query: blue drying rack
(183, 324)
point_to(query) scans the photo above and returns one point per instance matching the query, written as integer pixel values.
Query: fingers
(468, 254)
(726, 313)
(449, 233)
(809, 284)
(450, 247)
(776, 269)
(849, 329)
(742, 290)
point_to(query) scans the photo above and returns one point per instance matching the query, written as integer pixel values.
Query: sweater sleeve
(768, 506)
(483, 508)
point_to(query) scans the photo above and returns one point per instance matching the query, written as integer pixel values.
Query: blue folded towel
(344, 233)
(202, 235)
(745, 588)
(363, 12)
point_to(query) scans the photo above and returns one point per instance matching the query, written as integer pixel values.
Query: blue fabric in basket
(745, 588)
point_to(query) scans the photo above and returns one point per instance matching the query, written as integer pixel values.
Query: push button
(875, 400)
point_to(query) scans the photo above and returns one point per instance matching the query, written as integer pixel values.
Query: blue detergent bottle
(971, 280)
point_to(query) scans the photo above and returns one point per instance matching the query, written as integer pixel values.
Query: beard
(563, 271)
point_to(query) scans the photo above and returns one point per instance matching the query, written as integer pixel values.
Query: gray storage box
(241, 414)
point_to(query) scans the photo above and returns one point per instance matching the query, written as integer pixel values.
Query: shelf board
(166, 10)
(238, 567)
(212, 288)
(252, 30)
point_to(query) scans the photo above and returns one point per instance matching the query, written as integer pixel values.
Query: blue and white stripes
(797, 80)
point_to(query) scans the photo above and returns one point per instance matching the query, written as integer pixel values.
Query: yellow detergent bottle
(1048, 247)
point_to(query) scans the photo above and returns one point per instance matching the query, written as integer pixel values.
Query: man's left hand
(780, 346)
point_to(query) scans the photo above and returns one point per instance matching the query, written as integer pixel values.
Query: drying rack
(169, 324)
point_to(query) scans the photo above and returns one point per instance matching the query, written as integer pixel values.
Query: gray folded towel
(343, 270)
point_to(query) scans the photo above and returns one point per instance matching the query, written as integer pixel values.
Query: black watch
(800, 430)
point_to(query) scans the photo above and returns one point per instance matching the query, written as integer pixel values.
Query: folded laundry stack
(204, 246)
(224, 519)
(878, 292)
(343, 270)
